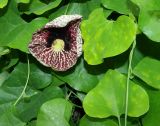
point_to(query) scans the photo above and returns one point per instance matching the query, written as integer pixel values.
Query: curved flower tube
(59, 43)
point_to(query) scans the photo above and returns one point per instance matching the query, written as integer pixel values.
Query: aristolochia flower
(59, 43)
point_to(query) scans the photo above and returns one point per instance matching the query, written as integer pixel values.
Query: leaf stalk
(24, 89)
(128, 78)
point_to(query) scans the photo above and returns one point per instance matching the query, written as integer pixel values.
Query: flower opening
(59, 43)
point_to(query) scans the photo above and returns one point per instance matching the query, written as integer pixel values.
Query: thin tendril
(24, 89)
(128, 78)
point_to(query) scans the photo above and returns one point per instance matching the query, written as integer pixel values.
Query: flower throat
(57, 36)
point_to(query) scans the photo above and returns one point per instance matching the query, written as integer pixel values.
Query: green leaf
(8, 24)
(152, 117)
(110, 38)
(81, 96)
(82, 8)
(89, 121)
(108, 97)
(149, 17)
(120, 6)
(79, 78)
(29, 107)
(38, 7)
(15, 32)
(55, 112)
(56, 81)
(21, 40)
(7, 96)
(23, 1)
(3, 76)
(12, 87)
(8, 118)
(32, 99)
(149, 24)
(3, 3)
(147, 5)
(148, 70)
(38, 78)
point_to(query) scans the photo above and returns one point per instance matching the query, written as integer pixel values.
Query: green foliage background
(117, 76)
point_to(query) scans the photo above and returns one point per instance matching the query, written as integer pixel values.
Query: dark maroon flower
(59, 43)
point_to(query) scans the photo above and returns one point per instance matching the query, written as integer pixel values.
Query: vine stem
(67, 97)
(128, 78)
(119, 121)
(24, 89)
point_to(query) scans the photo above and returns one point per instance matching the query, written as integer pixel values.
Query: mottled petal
(62, 21)
(59, 43)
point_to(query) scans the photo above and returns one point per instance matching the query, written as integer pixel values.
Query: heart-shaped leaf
(38, 7)
(120, 6)
(108, 97)
(55, 112)
(149, 74)
(149, 17)
(149, 24)
(104, 38)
